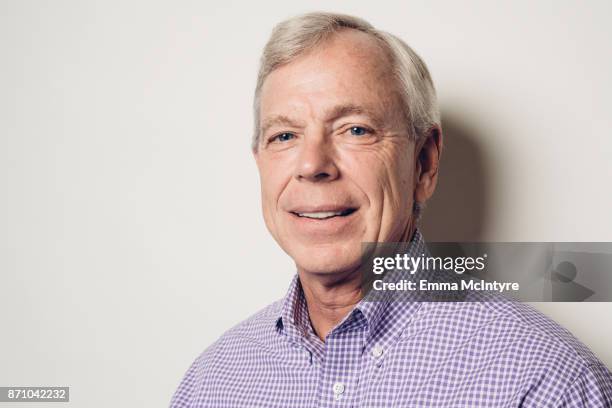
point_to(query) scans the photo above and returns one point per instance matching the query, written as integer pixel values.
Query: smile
(323, 215)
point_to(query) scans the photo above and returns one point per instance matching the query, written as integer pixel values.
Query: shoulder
(226, 354)
(256, 329)
(592, 388)
(512, 322)
(543, 359)
(543, 334)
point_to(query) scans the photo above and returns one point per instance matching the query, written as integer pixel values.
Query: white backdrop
(130, 227)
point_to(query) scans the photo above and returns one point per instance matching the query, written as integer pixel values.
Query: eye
(283, 137)
(359, 131)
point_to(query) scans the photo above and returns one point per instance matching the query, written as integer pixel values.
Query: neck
(329, 301)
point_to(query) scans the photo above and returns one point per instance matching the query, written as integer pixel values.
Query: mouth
(324, 215)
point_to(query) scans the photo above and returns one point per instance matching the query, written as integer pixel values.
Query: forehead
(351, 67)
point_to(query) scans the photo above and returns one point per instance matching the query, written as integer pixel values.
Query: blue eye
(358, 131)
(285, 137)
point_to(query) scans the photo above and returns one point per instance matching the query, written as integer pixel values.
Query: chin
(328, 259)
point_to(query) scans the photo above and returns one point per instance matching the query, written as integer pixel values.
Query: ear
(427, 161)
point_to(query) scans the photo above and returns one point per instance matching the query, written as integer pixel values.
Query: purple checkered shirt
(397, 354)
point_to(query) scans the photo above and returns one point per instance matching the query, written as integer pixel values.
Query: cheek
(269, 199)
(387, 172)
(274, 174)
(385, 176)
(399, 163)
(402, 174)
(268, 175)
(402, 191)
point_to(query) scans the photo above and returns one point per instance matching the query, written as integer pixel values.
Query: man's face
(335, 157)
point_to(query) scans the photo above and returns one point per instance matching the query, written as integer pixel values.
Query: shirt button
(377, 351)
(338, 388)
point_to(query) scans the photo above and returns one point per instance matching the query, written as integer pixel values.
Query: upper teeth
(320, 215)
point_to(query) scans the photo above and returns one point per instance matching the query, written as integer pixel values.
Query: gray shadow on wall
(458, 210)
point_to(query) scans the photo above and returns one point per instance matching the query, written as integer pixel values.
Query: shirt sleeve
(184, 394)
(592, 389)
(195, 384)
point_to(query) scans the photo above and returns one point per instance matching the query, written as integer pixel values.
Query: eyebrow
(334, 113)
(349, 109)
(277, 120)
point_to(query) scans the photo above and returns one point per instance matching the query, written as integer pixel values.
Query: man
(348, 142)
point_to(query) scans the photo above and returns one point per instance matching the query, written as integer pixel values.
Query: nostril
(321, 175)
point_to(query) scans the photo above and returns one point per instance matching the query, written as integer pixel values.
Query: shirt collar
(294, 313)
(294, 320)
(375, 310)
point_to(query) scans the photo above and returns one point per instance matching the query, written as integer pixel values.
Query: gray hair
(294, 36)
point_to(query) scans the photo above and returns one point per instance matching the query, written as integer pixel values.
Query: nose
(316, 161)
